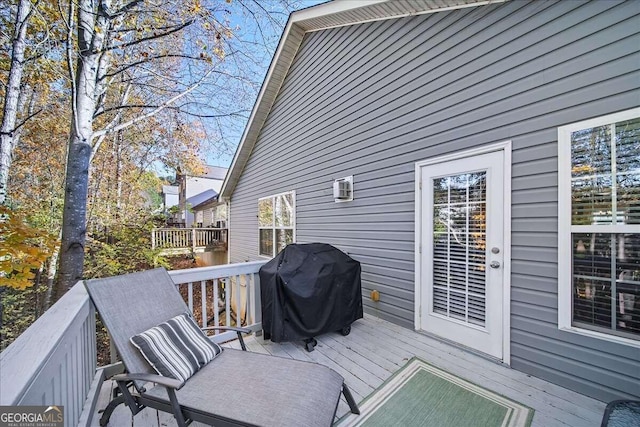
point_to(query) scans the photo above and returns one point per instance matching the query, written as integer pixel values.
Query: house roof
(213, 200)
(201, 197)
(333, 14)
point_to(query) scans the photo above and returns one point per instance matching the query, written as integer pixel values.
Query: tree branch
(154, 37)
(146, 60)
(116, 119)
(26, 120)
(155, 111)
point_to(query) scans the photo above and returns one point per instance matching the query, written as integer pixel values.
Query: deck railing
(188, 238)
(227, 295)
(54, 361)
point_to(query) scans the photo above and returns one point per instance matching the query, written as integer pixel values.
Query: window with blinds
(459, 234)
(605, 227)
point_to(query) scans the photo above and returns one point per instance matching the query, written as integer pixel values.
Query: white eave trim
(331, 8)
(301, 22)
(267, 82)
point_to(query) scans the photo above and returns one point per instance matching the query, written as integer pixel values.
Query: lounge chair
(236, 388)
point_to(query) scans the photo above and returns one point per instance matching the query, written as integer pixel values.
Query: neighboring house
(194, 207)
(192, 185)
(484, 180)
(169, 200)
(210, 213)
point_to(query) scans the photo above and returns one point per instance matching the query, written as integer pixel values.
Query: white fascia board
(339, 6)
(335, 6)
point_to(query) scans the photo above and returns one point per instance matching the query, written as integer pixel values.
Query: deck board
(376, 349)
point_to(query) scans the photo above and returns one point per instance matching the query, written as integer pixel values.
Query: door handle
(494, 264)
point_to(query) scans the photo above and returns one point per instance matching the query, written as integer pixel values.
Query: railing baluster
(238, 301)
(216, 303)
(190, 293)
(257, 301)
(203, 298)
(249, 303)
(227, 300)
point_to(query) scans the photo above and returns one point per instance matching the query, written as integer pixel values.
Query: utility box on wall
(343, 189)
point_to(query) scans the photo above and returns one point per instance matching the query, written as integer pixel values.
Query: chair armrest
(239, 331)
(227, 328)
(158, 379)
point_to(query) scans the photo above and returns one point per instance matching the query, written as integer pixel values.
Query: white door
(462, 238)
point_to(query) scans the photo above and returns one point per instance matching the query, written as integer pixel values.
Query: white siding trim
(565, 229)
(506, 263)
(505, 147)
(332, 7)
(399, 15)
(228, 207)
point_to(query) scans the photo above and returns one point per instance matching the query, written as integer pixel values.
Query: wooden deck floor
(375, 349)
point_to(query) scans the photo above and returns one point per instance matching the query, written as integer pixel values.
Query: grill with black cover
(307, 290)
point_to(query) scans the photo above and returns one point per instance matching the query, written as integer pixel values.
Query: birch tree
(8, 130)
(132, 60)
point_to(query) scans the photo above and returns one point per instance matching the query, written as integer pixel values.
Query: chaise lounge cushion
(176, 348)
(280, 392)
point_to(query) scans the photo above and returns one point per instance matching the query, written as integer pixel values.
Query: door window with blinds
(603, 223)
(459, 243)
(276, 223)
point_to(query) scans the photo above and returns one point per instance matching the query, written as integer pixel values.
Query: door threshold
(464, 348)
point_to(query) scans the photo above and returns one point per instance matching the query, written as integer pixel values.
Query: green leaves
(121, 249)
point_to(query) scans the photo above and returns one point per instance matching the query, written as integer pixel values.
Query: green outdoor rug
(422, 395)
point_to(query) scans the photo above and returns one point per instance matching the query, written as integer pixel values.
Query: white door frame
(505, 147)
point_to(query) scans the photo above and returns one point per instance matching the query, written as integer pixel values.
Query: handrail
(223, 295)
(184, 238)
(53, 362)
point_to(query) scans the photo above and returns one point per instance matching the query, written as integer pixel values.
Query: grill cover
(307, 290)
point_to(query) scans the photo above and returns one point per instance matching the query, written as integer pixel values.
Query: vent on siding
(343, 189)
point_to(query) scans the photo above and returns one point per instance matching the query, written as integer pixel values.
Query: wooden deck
(375, 349)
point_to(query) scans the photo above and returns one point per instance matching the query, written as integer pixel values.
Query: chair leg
(177, 412)
(350, 400)
(106, 414)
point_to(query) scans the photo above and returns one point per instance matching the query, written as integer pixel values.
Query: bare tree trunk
(76, 186)
(12, 96)
(91, 30)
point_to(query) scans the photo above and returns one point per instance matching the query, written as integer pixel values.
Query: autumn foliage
(23, 250)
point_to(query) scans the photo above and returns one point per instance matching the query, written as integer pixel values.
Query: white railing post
(255, 300)
(153, 239)
(193, 240)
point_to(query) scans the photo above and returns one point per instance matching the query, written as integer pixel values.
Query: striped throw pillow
(176, 348)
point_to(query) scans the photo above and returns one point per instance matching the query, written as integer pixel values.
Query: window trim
(273, 225)
(565, 229)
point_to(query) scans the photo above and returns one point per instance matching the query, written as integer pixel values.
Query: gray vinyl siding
(370, 100)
